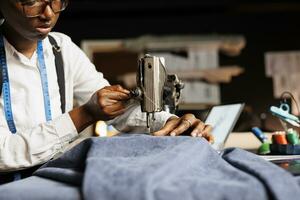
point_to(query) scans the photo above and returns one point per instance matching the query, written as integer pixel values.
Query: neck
(21, 44)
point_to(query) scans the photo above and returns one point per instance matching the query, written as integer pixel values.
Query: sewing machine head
(156, 90)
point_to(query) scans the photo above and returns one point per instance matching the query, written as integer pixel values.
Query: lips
(44, 29)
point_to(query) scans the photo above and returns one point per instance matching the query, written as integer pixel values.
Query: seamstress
(33, 127)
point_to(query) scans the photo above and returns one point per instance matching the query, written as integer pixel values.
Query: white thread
(151, 101)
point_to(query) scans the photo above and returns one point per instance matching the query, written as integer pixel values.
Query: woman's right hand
(108, 102)
(105, 104)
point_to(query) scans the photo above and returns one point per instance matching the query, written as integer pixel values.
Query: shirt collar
(11, 51)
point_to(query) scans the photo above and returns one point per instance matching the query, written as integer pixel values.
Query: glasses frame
(48, 2)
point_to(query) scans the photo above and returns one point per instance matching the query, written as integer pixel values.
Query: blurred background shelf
(195, 59)
(266, 25)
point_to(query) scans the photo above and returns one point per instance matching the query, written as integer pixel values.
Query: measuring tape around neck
(44, 79)
(6, 85)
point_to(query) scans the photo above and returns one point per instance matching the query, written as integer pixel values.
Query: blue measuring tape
(44, 78)
(6, 89)
(6, 86)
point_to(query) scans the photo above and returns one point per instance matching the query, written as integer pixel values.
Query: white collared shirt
(36, 140)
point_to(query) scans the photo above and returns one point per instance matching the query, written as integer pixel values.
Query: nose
(48, 12)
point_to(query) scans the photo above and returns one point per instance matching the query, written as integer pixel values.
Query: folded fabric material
(144, 167)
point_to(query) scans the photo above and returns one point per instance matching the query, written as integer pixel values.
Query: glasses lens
(36, 7)
(33, 8)
(57, 5)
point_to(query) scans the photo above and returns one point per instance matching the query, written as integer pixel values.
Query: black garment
(9, 177)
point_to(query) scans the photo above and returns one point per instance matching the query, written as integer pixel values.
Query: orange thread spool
(279, 138)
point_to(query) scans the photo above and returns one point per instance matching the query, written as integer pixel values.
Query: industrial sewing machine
(156, 90)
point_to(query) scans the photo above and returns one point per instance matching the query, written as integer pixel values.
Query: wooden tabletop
(244, 140)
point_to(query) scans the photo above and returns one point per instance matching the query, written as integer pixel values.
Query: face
(34, 28)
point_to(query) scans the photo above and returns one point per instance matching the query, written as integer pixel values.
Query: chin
(39, 35)
(42, 36)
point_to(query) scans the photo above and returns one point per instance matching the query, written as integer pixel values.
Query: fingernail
(173, 134)
(194, 134)
(200, 135)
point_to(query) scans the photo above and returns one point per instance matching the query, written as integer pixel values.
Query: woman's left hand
(188, 122)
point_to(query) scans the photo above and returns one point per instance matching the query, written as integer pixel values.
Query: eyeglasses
(35, 8)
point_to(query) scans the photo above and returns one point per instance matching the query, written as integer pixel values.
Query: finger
(114, 107)
(198, 128)
(209, 137)
(169, 126)
(109, 102)
(119, 88)
(190, 117)
(206, 133)
(206, 130)
(114, 114)
(118, 96)
(182, 127)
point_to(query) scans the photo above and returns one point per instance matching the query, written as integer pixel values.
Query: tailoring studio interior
(224, 53)
(222, 46)
(234, 64)
(233, 36)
